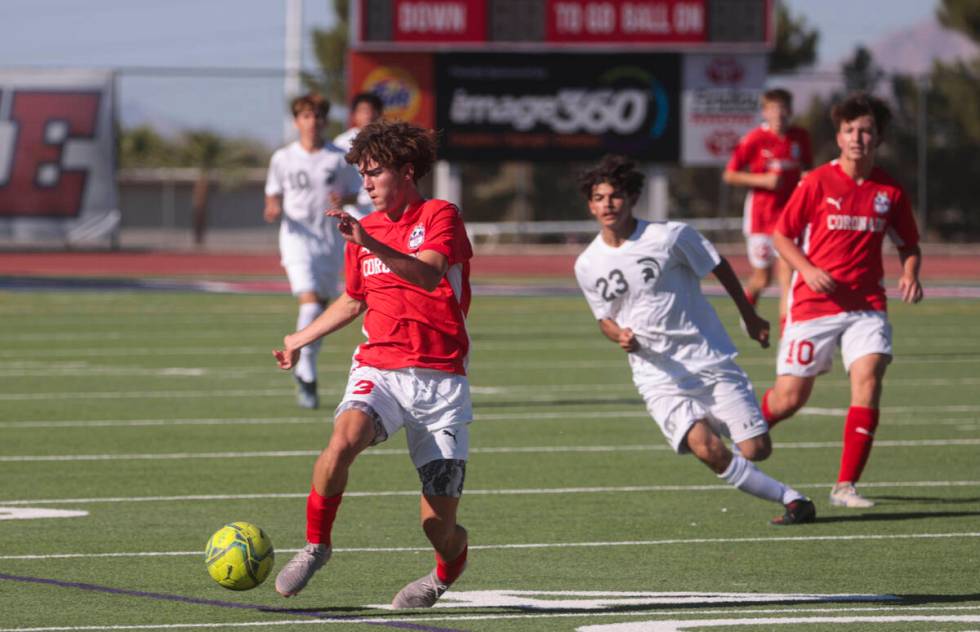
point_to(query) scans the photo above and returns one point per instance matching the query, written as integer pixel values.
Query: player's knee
(756, 448)
(709, 449)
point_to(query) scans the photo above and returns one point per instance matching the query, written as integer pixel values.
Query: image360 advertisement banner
(558, 106)
(57, 157)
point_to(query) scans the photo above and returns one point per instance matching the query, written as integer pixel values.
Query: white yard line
(469, 492)
(635, 413)
(805, 539)
(254, 454)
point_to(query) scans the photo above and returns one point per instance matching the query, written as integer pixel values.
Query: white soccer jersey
(652, 285)
(364, 205)
(305, 180)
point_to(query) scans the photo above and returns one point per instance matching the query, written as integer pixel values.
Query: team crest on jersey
(882, 203)
(417, 237)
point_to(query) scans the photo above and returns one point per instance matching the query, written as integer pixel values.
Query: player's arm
(623, 336)
(908, 284)
(756, 326)
(338, 314)
(273, 208)
(768, 180)
(816, 279)
(425, 269)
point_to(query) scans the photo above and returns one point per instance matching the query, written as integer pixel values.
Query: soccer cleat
(799, 511)
(422, 593)
(298, 571)
(306, 395)
(844, 495)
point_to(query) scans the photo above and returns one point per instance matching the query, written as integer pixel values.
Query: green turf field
(163, 417)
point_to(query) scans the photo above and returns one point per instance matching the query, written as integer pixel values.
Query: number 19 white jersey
(652, 285)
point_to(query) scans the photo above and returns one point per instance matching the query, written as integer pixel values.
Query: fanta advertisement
(397, 89)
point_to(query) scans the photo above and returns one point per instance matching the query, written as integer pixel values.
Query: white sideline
(469, 492)
(255, 454)
(805, 539)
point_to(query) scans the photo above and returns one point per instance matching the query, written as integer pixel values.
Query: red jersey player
(408, 271)
(831, 233)
(775, 155)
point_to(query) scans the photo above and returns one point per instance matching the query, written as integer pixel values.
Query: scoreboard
(665, 81)
(550, 25)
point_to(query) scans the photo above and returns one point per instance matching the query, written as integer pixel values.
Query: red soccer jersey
(406, 326)
(762, 151)
(840, 226)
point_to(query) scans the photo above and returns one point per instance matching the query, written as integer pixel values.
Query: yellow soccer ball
(239, 556)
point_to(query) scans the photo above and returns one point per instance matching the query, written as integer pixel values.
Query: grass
(162, 416)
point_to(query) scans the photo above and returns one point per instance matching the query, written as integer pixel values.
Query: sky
(136, 36)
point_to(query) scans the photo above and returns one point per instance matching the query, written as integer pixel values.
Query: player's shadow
(932, 500)
(925, 600)
(880, 516)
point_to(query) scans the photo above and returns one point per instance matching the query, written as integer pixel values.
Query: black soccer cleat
(799, 511)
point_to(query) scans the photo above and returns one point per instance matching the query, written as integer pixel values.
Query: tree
(208, 152)
(330, 48)
(796, 43)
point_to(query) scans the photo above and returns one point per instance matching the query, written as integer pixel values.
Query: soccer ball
(239, 556)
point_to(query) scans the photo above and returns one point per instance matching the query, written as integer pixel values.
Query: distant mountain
(911, 50)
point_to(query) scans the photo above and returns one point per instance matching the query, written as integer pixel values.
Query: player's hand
(910, 289)
(758, 329)
(771, 180)
(271, 213)
(350, 229)
(286, 358)
(627, 340)
(818, 280)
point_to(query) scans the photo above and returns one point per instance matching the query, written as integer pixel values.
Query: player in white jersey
(306, 178)
(642, 282)
(365, 108)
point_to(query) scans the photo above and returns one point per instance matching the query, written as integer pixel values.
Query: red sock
(766, 413)
(859, 432)
(320, 513)
(448, 572)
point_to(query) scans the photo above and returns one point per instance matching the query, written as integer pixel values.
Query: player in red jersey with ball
(408, 272)
(831, 233)
(774, 154)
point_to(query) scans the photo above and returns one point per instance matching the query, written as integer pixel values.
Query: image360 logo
(35, 180)
(397, 89)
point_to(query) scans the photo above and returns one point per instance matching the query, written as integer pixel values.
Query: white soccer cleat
(298, 571)
(844, 495)
(422, 593)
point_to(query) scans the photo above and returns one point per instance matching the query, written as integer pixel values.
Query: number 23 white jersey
(652, 285)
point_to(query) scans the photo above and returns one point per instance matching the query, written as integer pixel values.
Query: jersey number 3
(613, 287)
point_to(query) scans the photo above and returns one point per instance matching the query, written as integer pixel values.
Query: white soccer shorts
(761, 252)
(320, 275)
(725, 400)
(434, 407)
(807, 348)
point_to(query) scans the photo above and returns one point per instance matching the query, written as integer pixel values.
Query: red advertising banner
(404, 81)
(440, 21)
(626, 21)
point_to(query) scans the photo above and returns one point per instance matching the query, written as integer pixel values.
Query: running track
(958, 268)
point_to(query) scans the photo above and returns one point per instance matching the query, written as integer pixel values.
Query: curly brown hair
(392, 144)
(861, 104)
(618, 171)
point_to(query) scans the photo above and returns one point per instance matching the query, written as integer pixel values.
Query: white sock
(305, 368)
(744, 475)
